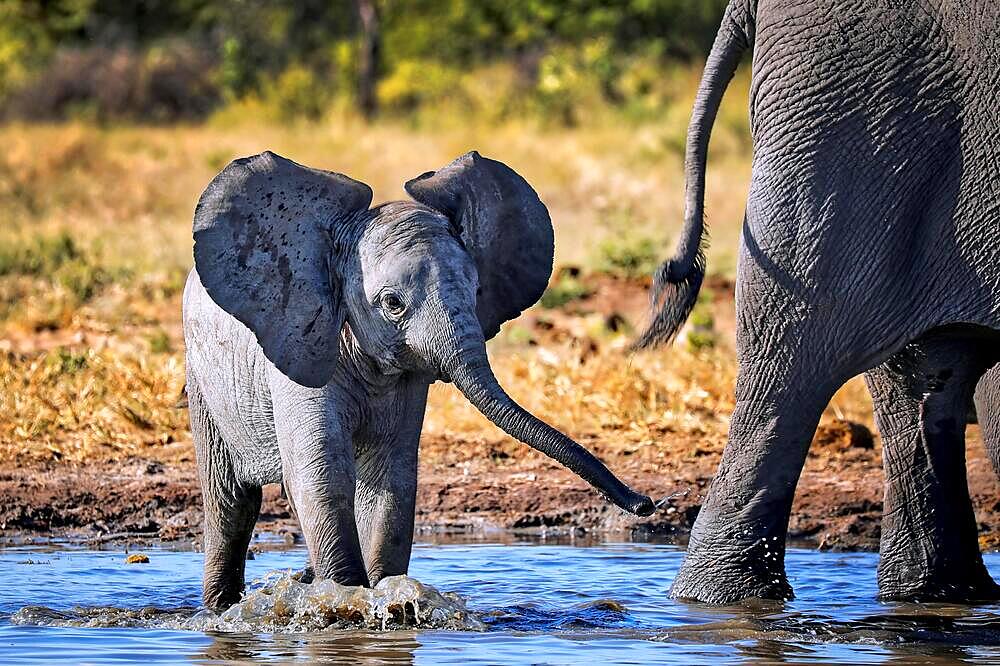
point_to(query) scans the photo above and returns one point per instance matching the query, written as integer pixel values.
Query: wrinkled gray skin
(314, 326)
(871, 245)
(988, 414)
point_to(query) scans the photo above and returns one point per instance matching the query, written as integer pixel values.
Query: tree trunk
(368, 60)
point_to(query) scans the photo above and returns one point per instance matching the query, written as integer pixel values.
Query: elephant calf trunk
(476, 381)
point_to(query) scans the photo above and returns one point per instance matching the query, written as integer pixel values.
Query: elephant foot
(222, 586)
(930, 546)
(959, 584)
(726, 574)
(728, 586)
(306, 576)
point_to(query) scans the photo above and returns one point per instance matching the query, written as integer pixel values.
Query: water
(525, 603)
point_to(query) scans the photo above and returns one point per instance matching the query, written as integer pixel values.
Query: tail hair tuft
(672, 299)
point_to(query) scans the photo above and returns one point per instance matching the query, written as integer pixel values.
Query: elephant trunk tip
(640, 505)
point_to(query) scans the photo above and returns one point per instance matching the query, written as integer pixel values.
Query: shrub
(566, 288)
(493, 92)
(159, 342)
(39, 256)
(177, 84)
(297, 93)
(58, 259)
(169, 83)
(627, 255)
(417, 83)
(66, 361)
(568, 85)
(81, 278)
(700, 328)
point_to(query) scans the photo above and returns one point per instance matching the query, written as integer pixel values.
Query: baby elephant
(314, 325)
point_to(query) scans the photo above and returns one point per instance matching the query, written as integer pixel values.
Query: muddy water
(468, 603)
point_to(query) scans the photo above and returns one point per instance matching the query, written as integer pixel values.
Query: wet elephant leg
(988, 412)
(387, 479)
(929, 547)
(231, 509)
(318, 473)
(307, 575)
(737, 546)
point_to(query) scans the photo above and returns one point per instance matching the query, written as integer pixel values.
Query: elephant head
(297, 255)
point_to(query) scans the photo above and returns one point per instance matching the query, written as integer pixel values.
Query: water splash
(285, 605)
(665, 500)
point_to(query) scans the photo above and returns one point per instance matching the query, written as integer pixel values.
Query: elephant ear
(264, 233)
(504, 226)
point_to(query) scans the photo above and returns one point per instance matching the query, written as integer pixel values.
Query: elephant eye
(393, 304)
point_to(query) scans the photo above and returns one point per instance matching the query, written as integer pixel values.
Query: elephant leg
(387, 480)
(737, 545)
(307, 575)
(231, 509)
(988, 412)
(318, 472)
(929, 547)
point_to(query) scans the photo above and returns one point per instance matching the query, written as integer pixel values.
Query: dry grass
(91, 360)
(609, 400)
(70, 404)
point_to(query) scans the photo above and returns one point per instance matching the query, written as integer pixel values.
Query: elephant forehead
(409, 231)
(416, 265)
(400, 266)
(396, 215)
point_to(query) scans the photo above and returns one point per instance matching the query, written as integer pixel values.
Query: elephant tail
(677, 281)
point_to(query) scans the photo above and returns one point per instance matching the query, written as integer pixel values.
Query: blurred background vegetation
(114, 115)
(168, 60)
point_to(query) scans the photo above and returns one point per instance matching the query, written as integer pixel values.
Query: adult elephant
(314, 325)
(871, 244)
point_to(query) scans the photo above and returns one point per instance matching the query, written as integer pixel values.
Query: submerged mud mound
(284, 605)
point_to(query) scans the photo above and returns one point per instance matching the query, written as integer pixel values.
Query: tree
(368, 59)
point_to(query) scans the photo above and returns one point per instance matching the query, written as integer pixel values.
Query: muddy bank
(475, 482)
(485, 488)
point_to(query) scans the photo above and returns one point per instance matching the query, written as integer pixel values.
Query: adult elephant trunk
(471, 373)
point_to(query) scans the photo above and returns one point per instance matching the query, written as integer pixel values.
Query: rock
(841, 435)
(137, 558)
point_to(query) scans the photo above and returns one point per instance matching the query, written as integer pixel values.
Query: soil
(483, 485)
(838, 503)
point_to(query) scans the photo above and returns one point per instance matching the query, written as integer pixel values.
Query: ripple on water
(285, 605)
(599, 614)
(536, 603)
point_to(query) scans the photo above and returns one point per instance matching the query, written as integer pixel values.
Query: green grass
(628, 256)
(38, 254)
(566, 288)
(59, 261)
(701, 332)
(159, 342)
